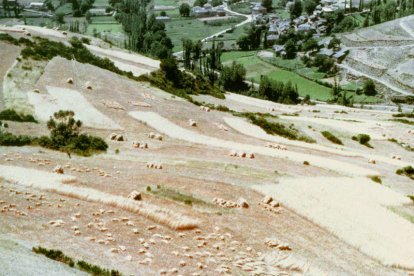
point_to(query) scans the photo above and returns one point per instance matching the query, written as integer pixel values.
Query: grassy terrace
(273, 68)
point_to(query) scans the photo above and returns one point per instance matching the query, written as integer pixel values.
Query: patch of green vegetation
(411, 197)
(56, 255)
(175, 195)
(403, 145)
(241, 7)
(403, 121)
(181, 28)
(12, 115)
(8, 38)
(363, 139)
(407, 115)
(376, 179)
(256, 67)
(306, 163)
(273, 128)
(401, 212)
(331, 137)
(407, 171)
(8, 139)
(96, 270)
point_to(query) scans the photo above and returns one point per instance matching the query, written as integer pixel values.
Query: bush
(363, 139)
(331, 137)
(407, 115)
(222, 108)
(306, 163)
(369, 88)
(11, 115)
(376, 179)
(407, 171)
(96, 270)
(8, 139)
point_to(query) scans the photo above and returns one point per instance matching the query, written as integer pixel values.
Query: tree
(233, 77)
(216, 3)
(59, 18)
(334, 43)
(309, 6)
(310, 45)
(199, 3)
(170, 68)
(267, 4)
(184, 10)
(369, 88)
(296, 9)
(49, 5)
(290, 49)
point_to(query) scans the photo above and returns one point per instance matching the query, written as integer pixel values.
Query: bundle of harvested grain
(142, 104)
(113, 104)
(88, 85)
(371, 161)
(139, 145)
(36, 91)
(205, 108)
(192, 123)
(27, 33)
(135, 195)
(242, 203)
(58, 169)
(69, 80)
(64, 33)
(396, 157)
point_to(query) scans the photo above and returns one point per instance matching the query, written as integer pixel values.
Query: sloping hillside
(202, 176)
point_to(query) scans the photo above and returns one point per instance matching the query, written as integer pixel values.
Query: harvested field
(356, 211)
(67, 99)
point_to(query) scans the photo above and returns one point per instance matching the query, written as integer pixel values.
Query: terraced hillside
(384, 53)
(257, 188)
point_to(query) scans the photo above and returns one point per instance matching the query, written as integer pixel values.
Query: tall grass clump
(331, 137)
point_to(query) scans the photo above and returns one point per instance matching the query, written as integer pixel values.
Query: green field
(256, 67)
(190, 28)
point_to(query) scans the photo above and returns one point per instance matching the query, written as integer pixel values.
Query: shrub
(56, 255)
(96, 270)
(222, 108)
(9, 139)
(306, 163)
(369, 88)
(407, 115)
(331, 137)
(407, 171)
(376, 179)
(12, 115)
(363, 139)
(403, 121)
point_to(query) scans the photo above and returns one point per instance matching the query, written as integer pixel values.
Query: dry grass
(165, 126)
(53, 183)
(355, 210)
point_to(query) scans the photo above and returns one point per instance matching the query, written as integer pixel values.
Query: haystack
(69, 80)
(135, 195)
(242, 203)
(192, 123)
(88, 85)
(58, 169)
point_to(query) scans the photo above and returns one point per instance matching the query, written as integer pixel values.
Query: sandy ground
(66, 99)
(18, 259)
(356, 211)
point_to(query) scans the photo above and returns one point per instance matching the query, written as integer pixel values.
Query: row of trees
(145, 34)
(233, 78)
